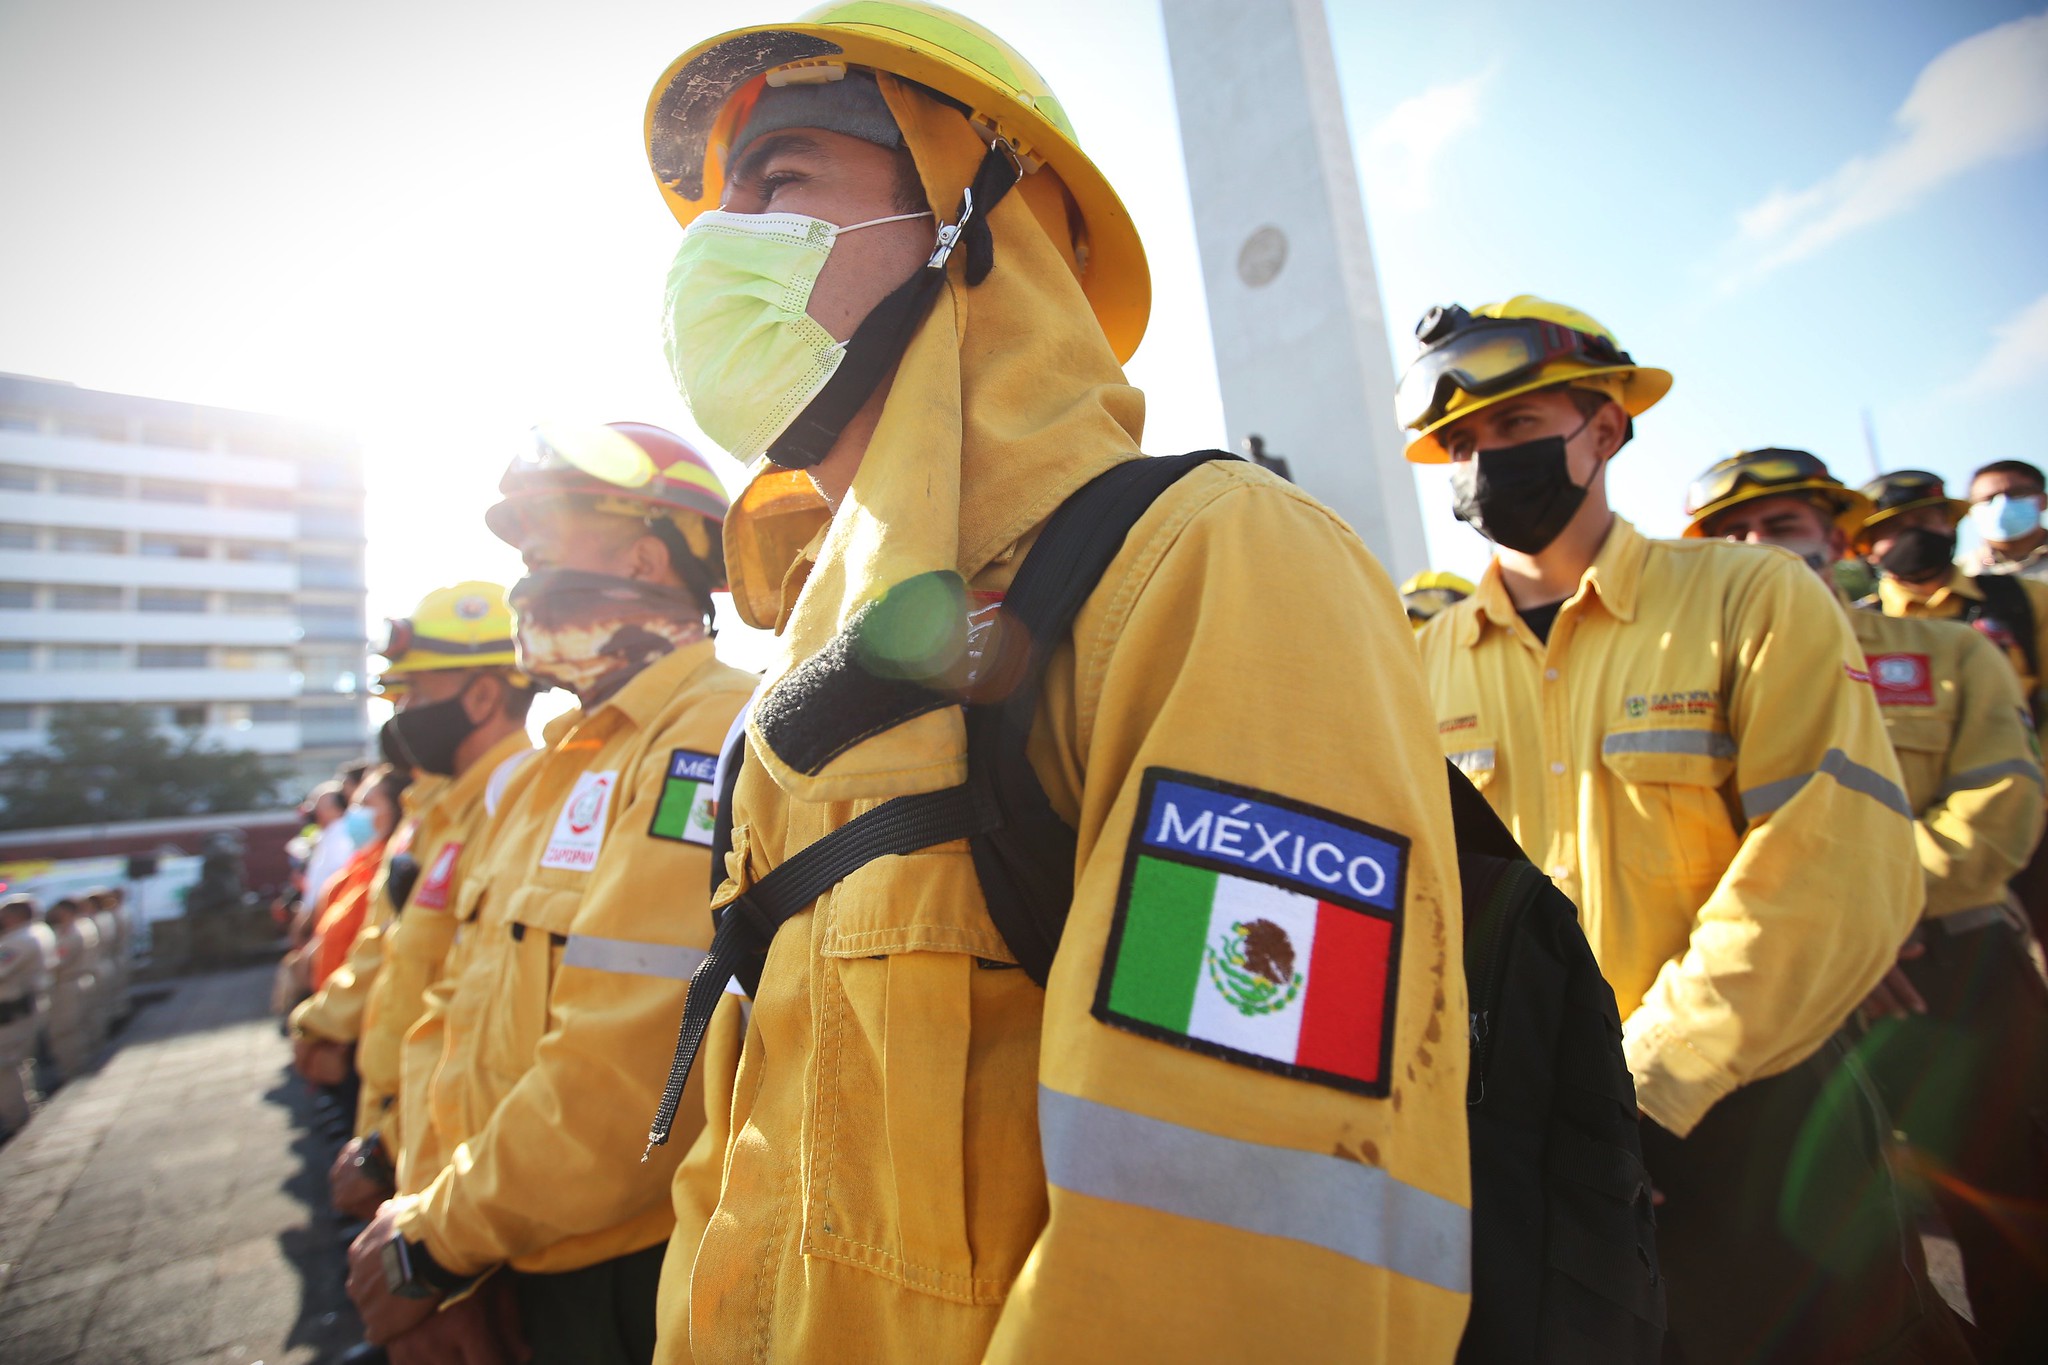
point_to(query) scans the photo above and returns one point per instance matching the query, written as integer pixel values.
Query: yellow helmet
(702, 100)
(464, 626)
(1770, 472)
(1430, 591)
(1474, 359)
(1904, 490)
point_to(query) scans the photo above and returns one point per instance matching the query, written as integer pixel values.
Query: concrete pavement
(169, 1209)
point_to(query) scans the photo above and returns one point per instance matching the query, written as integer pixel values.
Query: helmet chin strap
(884, 334)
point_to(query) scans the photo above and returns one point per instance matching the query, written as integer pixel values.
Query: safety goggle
(1487, 356)
(1908, 486)
(597, 451)
(1767, 471)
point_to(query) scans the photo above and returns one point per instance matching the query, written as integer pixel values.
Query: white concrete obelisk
(1301, 343)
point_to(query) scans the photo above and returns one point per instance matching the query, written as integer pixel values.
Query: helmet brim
(1851, 507)
(1642, 389)
(684, 143)
(1958, 508)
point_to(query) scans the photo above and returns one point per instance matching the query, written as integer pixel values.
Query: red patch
(1902, 679)
(433, 892)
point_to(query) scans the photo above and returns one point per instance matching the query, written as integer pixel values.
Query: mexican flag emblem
(1259, 930)
(687, 811)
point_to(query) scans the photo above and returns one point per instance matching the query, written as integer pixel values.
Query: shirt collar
(478, 774)
(1895, 595)
(1615, 576)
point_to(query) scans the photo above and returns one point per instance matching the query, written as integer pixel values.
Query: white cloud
(2018, 355)
(1984, 99)
(1403, 147)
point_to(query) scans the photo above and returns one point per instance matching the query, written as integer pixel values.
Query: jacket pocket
(1920, 743)
(1671, 816)
(529, 952)
(928, 1051)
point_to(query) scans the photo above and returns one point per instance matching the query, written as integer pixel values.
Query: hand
(1894, 996)
(353, 1188)
(385, 1315)
(321, 1062)
(483, 1329)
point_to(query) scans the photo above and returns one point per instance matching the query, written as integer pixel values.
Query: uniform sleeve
(560, 1156)
(1824, 886)
(1253, 1052)
(1981, 827)
(335, 1011)
(420, 1155)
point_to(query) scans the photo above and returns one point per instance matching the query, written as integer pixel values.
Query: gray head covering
(852, 105)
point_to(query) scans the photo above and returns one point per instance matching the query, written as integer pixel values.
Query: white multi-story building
(201, 561)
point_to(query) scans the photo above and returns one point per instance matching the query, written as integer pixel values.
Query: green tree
(108, 762)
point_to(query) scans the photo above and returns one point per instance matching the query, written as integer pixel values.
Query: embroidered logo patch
(579, 828)
(689, 799)
(1259, 930)
(1902, 679)
(433, 892)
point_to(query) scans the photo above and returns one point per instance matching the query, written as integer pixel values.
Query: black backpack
(1564, 1262)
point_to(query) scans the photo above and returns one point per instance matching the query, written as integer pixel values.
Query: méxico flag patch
(688, 808)
(1259, 930)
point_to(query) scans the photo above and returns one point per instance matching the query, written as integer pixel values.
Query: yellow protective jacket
(335, 1011)
(416, 937)
(1697, 760)
(1966, 746)
(1161, 1155)
(1952, 598)
(582, 923)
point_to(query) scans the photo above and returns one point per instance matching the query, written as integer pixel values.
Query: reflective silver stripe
(1711, 743)
(1758, 802)
(631, 957)
(1473, 760)
(1343, 1206)
(1971, 778)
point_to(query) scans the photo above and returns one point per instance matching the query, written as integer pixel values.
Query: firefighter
(1429, 592)
(928, 1156)
(577, 930)
(460, 724)
(1682, 735)
(1959, 1034)
(2006, 500)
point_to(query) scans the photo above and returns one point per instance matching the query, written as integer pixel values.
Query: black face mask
(1518, 496)
(1919, 552)
(426, 737)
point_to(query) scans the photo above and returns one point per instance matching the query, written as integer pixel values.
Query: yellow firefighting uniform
(335, 1011)
(415, 938)
(582, 924)
(1697, 759)
(1947, 602)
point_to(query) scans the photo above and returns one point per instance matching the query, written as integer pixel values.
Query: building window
(17, 658)
(19, 478)
(13, 420)
(331, 725)
(178, 434)
(174, 547)
(83, 484)
(259, 552)
(242, 714)
(254, 660)
(330, 472)
(320, 671)
(169, 599)
(325, 622)
(90, 658)
(85, 541)
(14, 536)
(259, 604)
(187, 717)
(257, 499)
(84, 597)
(174, 490)
(329, 571)
(17, 596)
(330, 523)
(93, 428)
(15, 720)
(170, 656)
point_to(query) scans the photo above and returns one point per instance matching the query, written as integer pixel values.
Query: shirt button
(1550, 675)
(1557, 768)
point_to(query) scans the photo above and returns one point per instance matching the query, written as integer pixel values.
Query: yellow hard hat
(1432, 590)
(464, 626)
(1474, 359)
(702, 99)
(1438, 578)
(1904, 490)
(1770, 472)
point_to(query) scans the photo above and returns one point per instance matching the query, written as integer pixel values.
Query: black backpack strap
(1023, 851)
(1025, 860)
(2006, 600)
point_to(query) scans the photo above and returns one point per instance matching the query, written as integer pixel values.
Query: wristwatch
(411, 1272)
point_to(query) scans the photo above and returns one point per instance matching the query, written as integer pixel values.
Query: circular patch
(1897, 672)
(1261, 257)
(472, 608)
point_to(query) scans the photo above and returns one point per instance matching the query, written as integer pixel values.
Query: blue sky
(434, 221)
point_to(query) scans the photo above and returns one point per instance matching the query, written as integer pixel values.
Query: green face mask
(745, 355)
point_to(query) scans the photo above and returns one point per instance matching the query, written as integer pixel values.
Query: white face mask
(745, 354)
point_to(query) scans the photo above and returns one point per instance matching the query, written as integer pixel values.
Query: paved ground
(168, 1209)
